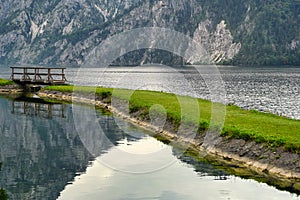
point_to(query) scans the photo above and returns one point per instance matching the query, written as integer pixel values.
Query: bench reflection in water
(38, 107)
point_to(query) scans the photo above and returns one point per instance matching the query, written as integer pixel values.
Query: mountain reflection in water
(46, 157)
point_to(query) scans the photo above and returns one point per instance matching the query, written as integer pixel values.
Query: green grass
(80, 89)
(266, 128)
(262, 127)
(4, 82)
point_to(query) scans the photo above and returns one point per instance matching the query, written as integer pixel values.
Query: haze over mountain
(252, 32)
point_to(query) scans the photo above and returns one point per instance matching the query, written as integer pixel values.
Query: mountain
(249, 32)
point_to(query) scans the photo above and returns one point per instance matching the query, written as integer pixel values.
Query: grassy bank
(4, 82)
(270, 129)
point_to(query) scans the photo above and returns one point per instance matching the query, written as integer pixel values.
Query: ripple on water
(274, 90)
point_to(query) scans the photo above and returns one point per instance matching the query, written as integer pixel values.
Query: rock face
(218, 43)
(64, 32)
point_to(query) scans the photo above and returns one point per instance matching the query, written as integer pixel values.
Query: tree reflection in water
(3, 194)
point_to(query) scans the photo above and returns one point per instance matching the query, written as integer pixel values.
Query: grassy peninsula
(269, 129)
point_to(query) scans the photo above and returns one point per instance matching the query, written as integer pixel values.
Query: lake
(267, 89)
(58, 151)
(275, 90)
(48, 154)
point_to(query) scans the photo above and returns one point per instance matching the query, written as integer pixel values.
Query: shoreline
(10, 89)
(276, 163)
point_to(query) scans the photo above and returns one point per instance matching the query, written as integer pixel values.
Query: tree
(3, 195)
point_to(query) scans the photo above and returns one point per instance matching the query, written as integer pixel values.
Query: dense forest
(275, 39)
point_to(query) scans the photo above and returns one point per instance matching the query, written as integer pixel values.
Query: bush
(203, 126)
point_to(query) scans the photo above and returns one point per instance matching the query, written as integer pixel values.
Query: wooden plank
(41, 74)
(38, 67)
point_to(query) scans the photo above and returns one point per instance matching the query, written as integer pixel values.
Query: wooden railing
(38, 75)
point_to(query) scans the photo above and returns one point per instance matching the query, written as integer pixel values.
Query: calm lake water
(275, 90)
(54, 151)
(50, 151)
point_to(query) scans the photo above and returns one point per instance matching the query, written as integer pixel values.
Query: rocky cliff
(234, 32)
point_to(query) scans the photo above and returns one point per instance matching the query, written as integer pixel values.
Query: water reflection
(50, 158)
(177, 181)
(39, 155)
(3, 193)
(37, 107)
(41, 151)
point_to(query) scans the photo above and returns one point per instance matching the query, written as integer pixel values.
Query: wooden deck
(38, 75)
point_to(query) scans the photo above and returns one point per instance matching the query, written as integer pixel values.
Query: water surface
(267, 89)
(71, 155)
(275, 90)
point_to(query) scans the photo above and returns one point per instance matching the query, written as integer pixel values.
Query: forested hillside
(275, 39)
(250, 32)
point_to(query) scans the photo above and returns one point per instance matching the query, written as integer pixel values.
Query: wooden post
(12, 77)
(48, 77)
(63, 74)
(26, 76)
(23, 76)
(25, 73)
(35, 74)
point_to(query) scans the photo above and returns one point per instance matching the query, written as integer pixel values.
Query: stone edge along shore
(256, 157)
(10, 89)
(278, 162)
